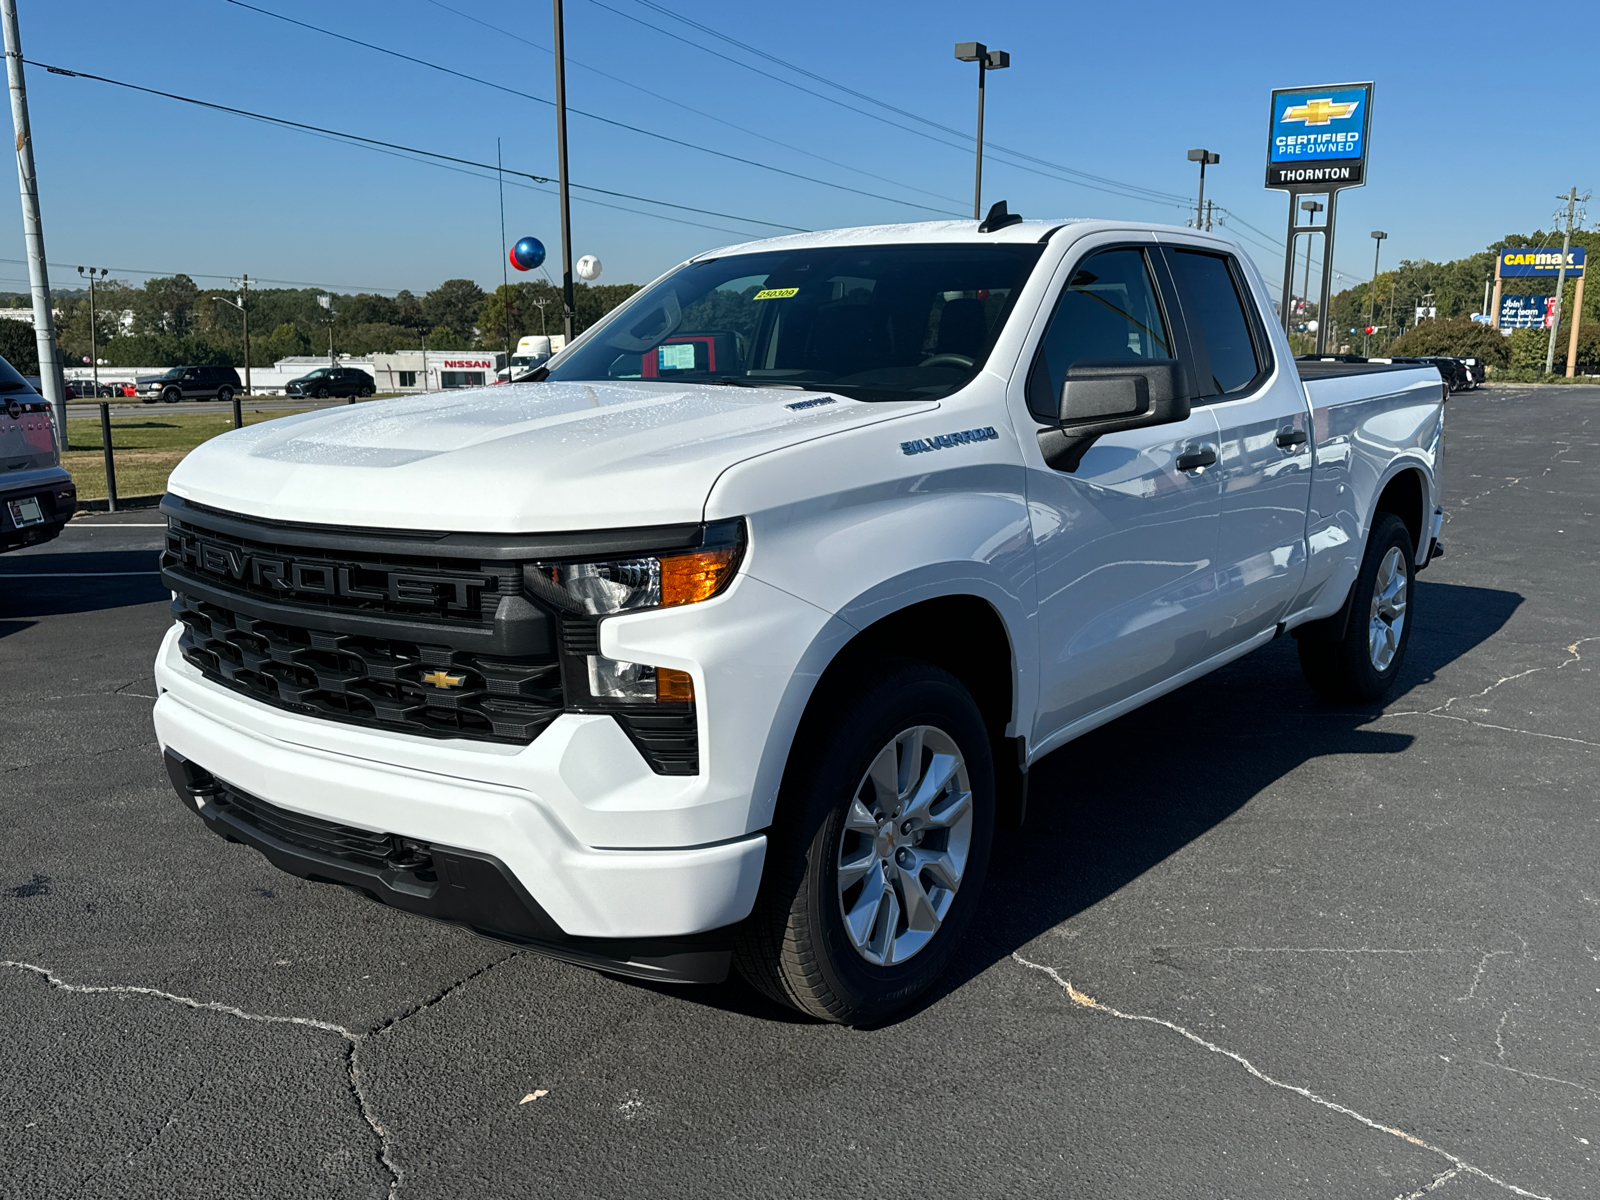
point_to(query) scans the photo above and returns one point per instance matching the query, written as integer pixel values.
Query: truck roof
(1026, 230)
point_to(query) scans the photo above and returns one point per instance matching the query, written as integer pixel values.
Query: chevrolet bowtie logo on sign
(1317, 137)
(1320, 111)
(443, 679)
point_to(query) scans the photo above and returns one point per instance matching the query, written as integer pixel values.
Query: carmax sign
(1540, 261)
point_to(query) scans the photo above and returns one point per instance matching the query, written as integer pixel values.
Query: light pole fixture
(243, 305)
(1205, 158)
(568, 304)
(1313, 207)
(987, 60)
(1372, 301)
(94, 349)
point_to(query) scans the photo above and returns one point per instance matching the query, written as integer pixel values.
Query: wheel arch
(1408, 495)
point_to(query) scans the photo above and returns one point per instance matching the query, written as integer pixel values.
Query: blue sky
(1122, 91)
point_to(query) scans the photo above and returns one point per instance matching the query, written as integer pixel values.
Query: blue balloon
(527, 254)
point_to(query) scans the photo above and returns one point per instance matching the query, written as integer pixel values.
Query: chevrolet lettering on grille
(319, 578)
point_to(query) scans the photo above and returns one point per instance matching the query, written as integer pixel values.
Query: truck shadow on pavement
(42, 585)
(1111, 805)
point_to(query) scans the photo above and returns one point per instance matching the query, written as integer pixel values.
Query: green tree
(1457, 337)
(286, 341)
(166, 306)
(454, 304)
(445, 338)
(19, 346)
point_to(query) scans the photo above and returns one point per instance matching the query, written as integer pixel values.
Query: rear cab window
(1230, 351)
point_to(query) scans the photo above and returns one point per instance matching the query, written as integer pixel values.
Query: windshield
(870, 322)
(318, 374)
(175, 373)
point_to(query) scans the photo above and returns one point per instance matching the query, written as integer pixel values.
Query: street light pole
(243, 307)
(987, 60)
(567, 302)
(1203, 157)
(94, 349)
(1313, 207)
(1372, 301)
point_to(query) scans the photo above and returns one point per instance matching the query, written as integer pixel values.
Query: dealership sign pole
(1317, 141)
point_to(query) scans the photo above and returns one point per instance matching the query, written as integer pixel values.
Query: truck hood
(516, 458)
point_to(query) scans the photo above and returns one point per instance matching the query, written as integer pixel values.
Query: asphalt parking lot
(1249, 945)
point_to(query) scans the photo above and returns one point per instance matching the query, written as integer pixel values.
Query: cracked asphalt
(1249, 945)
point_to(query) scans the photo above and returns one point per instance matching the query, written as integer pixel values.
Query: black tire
(225, 395)
(171, 396)
(1345, 669)
(321, 393)
(795, 946)
(363, 392)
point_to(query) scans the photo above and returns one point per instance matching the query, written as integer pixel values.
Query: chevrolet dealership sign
(1317, 137)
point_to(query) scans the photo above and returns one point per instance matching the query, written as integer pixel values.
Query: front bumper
(443, 882)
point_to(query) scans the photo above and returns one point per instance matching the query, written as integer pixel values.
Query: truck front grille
(383, 683)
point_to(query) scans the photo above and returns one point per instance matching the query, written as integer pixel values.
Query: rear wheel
(1362, 665)
(880, 847)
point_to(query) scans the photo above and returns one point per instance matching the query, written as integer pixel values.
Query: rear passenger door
(1265, 424)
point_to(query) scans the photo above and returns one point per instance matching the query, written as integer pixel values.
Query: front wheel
(171, 396)
(225, 395)
(1362, 665)
(879, 849)
(321, 393)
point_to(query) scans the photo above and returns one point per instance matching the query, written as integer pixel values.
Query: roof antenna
(999, 218)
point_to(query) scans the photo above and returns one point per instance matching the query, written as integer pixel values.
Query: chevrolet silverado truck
(37, 495)
(730, 640)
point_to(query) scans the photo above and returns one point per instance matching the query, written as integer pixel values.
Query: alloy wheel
(1388, 618)
(904, 845)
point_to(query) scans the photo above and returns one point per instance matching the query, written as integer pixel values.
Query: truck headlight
(603, 587)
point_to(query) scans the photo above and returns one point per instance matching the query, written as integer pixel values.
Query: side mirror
(1101, 396)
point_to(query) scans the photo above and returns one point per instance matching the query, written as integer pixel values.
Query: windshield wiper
(729, 381)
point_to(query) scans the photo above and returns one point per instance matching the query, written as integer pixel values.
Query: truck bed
(1333, 368)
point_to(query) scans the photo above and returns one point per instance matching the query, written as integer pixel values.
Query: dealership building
(433, 370)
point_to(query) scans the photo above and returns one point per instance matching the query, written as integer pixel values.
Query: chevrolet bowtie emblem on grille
(443, 679)
(1319, 112)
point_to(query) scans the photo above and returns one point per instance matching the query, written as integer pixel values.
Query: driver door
(1125, 545)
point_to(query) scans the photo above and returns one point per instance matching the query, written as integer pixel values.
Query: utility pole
(567, 302)
(44, 325)
(1203, 157)
(327, 303)
(1561, 283)
(1372, 301)
(94, 348)
(987, 60)
(1208, 216)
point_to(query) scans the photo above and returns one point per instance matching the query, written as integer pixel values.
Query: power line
(431, 154)
(1101, 183)
(465, 16)
(500, 87)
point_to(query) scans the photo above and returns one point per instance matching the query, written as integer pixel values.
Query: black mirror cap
(1101, 396)
(1124, 393)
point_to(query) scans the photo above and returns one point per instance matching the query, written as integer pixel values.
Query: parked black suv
(332, 381)
(191, 383)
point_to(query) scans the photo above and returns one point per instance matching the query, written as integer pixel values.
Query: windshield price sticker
(777, 293)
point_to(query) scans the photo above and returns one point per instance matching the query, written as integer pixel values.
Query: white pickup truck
(732, 639)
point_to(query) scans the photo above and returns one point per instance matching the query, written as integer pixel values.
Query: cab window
(1108, 310)
(1214, 311)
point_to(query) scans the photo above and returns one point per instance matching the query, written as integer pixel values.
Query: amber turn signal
(691, 578)
(674, 687)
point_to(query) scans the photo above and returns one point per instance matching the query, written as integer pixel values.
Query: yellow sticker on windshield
(776, 293)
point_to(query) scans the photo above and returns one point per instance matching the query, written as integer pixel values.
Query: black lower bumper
(58, 500)
(462, 887)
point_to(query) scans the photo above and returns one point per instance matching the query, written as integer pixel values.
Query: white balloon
(587, 267)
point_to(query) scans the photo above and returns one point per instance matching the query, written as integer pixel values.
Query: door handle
(1197, 457)
(1291, 437)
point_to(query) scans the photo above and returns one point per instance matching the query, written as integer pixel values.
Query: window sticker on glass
(678, 356)
(776, 293)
